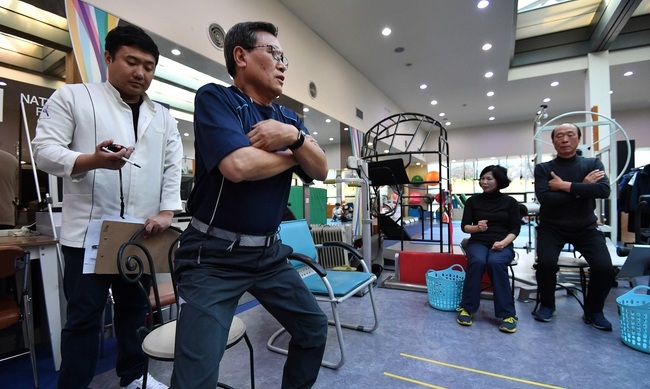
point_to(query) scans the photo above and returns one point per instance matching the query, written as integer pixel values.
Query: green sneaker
(464, 318)
(509, 325)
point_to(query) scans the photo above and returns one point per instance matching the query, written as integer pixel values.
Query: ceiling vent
(216, 35)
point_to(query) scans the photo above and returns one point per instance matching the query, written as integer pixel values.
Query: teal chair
(330, 286)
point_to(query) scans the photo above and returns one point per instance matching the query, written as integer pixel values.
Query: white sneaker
(152, 383)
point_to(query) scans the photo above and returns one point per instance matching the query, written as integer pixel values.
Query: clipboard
(114, 233)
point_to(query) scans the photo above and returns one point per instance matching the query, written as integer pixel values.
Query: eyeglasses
(275, 53)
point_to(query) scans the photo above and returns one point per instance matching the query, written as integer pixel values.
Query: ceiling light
(186, 134)
(489, 74)
(628, 73)
(611, 92)
(176, 52)
(345, 128)
(482, 4)
(386, 31)
(328, 120)
(386, 151)
(448, 124)
(490, 94)
(555, 83)
(2, 83)
(315, 133)
(418, 163)
(331, 139)
(491, 118)
(491, 107)
(441, 114)
(434, 102)
(370, 144)
(305, 109)
(546, 100)
(423, 86)
(486, 47)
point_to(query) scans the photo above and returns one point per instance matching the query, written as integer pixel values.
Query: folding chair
(333, 287)
(158, 337)
(16, 304)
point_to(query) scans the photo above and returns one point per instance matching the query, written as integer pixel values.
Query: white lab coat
(74, 120)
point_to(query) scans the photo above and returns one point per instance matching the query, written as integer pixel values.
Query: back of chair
(135, 253)
(8, 255)
(297, 235)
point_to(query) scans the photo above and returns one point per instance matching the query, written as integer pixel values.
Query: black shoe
(598, 320)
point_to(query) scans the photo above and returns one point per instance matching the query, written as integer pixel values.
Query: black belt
(241, 239)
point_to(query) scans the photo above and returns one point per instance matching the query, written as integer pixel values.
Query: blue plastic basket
(634, 317)
(445, 287)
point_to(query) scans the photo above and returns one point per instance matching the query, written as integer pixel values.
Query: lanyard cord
(121, 196)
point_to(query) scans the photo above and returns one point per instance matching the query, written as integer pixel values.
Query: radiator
(332, 256)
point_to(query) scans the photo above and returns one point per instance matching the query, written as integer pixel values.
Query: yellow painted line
(399, 377)
(505, 377)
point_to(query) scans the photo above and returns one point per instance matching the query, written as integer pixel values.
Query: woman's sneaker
(464, 318)
(509, 325)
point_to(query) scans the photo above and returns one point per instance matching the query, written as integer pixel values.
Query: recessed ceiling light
(434, 102)
(491, 107)
(493, 158)
(418, 163)
(305, 109)
(345, 128)
(555, 83)
(176, 52)
(331, 139)
(315, 133)
(2, 83)
(386, 151)
(486, 47)
(423, 86)
(546, 100)
(386, 31)
(489, 74)
(328, 120)
(491, 118)
(186, 134)
(441, 114)
(370, 144)
(482, 4)
(490, 94)
(611, 92)
(448, 124)
(628, 73)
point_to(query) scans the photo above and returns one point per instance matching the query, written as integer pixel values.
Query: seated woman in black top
(492, 218)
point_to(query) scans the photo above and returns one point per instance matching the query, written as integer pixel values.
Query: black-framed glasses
(275, 53)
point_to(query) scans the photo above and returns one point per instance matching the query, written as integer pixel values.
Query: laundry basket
(445, 287)
(634, 317)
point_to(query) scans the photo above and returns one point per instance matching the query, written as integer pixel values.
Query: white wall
(515, 138)
(341, 88)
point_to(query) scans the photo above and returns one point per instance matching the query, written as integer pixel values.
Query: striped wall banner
(356, 140)
(88, 27)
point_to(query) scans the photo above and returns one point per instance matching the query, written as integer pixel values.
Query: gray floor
(418, 346)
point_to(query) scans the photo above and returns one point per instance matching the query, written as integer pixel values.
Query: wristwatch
(298, 142)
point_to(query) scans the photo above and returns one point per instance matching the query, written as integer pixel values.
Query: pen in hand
(123, 159)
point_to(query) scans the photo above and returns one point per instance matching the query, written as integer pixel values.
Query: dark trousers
(86, 295)
(479, 258)
(210, 291)
(591, 244)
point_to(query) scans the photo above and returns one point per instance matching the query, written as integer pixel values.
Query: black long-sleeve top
(572, 210)
(500, 210)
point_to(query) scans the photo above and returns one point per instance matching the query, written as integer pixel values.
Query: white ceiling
(441, 43)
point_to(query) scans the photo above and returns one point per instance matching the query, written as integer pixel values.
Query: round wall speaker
(313, 91)
(216, 35)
